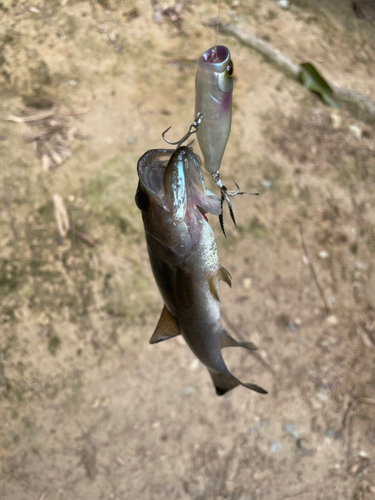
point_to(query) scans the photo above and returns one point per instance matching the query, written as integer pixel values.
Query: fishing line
(217, 25)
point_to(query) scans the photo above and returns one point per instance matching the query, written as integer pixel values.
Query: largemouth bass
(182, 248)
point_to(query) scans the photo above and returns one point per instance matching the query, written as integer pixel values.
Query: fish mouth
(151, 169)
(174, 181)
(216, 55)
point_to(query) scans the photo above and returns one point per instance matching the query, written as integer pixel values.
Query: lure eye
(230, 70)
(141, 200)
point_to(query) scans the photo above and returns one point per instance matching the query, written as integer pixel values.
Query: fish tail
(224, 382)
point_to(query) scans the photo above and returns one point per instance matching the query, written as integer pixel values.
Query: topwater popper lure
(213, 111)
(213, 100)
(182, 248)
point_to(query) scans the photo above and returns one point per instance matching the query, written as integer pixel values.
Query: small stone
(71, 198)
(266, 183)
(332, 320)
(363, 454)
(305, 260)
(73, 83)
(188, 391)
(323, 254)
(194, 365)
(283, 4)
(298, 322)
(275, 445)
(291, 429)
(356, 131)
(336, 120)
(247, 283)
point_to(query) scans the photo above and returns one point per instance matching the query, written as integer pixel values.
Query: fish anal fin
(166, 328)
(228, 341)
(224, 275)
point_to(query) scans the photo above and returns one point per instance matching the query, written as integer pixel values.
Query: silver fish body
(213, 98)
(182, 248)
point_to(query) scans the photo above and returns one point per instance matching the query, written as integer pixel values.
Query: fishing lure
(213, 110)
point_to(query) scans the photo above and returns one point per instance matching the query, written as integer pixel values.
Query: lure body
(213, 98)
(182, 248)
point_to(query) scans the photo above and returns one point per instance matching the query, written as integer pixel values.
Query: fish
(174, 201)
(213, 98)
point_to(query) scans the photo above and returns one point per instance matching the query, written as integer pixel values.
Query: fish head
(213, 98)
(173, 198)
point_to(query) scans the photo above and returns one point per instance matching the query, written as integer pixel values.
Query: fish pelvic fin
(223, 275)
(228, 341)
(166, 328)
(224, 382)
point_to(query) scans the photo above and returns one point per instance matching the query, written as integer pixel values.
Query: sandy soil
(90, 410)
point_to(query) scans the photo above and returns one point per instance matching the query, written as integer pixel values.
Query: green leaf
(313, 81)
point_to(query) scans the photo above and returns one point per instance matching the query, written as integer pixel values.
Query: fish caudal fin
(225, 382)
(166, 328)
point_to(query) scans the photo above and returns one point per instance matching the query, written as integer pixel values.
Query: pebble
(298, 322)
(247, 283)
(283, 4)
(363, 454)
(275, 445)
(336, 120)
(73, 83)
(266, 183)
(332, 320)
(323, 254)
(291, 429)
(194, 365)
(188, 391)
(356, 131)
(305, 260)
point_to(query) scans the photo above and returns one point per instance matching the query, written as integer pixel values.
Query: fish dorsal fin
(228, 341)
(221, 274)
(166, 328)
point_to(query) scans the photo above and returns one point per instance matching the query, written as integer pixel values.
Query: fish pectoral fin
(224, 275)
(228, 341)
(166, 328)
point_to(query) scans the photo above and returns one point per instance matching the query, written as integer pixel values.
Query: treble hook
(225, 194)
(192, 130)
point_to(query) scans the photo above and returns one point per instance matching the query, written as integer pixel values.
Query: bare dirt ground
(90, 410)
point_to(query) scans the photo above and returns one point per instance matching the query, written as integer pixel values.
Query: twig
(313, 270)
(32, 118)
(367, 401)
(357, 104)
(61, 215)
(257, 356)
(82, 236)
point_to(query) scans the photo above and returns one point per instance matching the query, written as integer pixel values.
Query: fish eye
(141, 199)
(230, 70)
